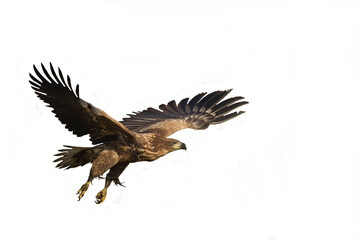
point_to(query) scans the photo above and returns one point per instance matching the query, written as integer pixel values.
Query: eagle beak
(183, 146)
(179, 145)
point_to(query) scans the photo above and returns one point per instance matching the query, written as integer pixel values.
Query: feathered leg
(112, 176)
(105, 160)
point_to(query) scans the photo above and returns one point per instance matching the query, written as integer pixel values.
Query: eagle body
(142, 136)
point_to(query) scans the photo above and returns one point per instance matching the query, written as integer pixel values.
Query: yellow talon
(100, 197)
(83, 189)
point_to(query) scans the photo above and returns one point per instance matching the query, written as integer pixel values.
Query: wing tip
(227, 117)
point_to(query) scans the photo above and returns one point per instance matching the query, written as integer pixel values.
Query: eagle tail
(72, 156)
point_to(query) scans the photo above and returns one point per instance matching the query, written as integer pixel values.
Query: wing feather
(227, 117)
(182, 106)
(198, 113)
(193, 102)
(79, 116)
(226, 103)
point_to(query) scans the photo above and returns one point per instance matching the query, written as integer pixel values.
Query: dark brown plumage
(142, 136)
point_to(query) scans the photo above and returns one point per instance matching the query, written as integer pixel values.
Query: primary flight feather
(142, 136)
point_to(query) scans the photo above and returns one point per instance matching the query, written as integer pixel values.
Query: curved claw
(100, 197)
(117, 182)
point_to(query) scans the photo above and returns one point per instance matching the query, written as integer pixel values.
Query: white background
(289, 168)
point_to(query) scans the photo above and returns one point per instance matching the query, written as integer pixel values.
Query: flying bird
(141, 136)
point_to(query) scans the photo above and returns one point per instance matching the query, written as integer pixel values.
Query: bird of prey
(142, 136)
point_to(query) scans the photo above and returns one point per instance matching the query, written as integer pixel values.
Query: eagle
(141, 136)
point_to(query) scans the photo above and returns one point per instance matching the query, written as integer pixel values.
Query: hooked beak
(183, 146)
(179, 145)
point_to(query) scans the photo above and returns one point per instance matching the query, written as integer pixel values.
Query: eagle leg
(112, 176)
(83, 189)
(100, 197)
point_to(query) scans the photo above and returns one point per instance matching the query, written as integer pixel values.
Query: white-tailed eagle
(142, 136)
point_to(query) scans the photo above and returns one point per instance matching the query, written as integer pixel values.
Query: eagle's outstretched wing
(198, 113)
(79, 116)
